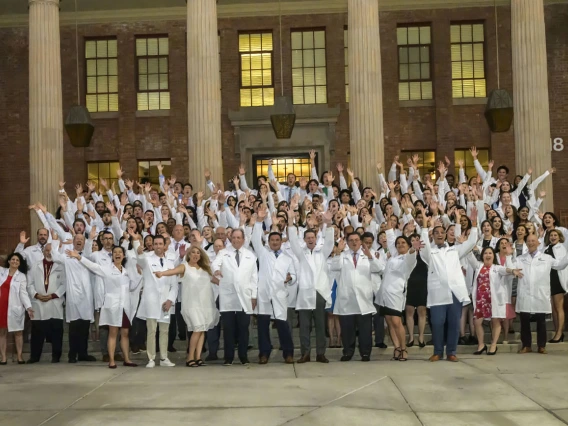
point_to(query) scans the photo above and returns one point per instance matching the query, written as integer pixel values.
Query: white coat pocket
(112, 302)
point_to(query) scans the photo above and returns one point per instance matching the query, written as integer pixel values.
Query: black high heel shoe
(421, 344)
(410, 344)
(557, 341)
(191, 363)
(396, 357)
(484, 349)
(494, 352)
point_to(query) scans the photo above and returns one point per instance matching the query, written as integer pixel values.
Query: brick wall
(128, 138)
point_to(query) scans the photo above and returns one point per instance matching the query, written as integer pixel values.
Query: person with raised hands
(447, 290)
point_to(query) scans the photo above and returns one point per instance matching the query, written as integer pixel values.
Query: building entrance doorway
(282, 165)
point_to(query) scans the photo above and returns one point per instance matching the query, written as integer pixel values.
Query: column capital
(49, 2)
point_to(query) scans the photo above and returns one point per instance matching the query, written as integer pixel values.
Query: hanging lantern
(499, 111)
(283, 117)
(79, 126)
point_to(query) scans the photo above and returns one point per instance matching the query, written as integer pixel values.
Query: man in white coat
(533, 292)
(355, 290)
(79, 305)
(158, 297)
(33, 254)
(46, 287)
(275, 274)
(238, 280)
(447, 291)
(314, 287)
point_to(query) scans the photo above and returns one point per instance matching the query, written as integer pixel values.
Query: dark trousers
(440, 315)
(235, 321)
(319, 317)
(284, 335)
(526, 334)
(350, 325)
(177, 324)
(137, 334)
(379, 326)
(79, 339)
(212, 336)
(40, 331)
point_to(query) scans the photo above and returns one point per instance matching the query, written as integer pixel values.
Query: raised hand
(448, 162)
(23, 239)
(542, 194)
(312, 155)
(339, 167)
(473, 151)
(103, 183)
(61, 184)
(261, 213)
(379, 168)
(160, 168)
(341, 245)
(461, 164)
(552, 170)
(119, 173)
(207, 173)
(350, 173)
(327, 217)
(242, 169)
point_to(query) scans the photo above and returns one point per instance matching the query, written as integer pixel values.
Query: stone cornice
(250, 9)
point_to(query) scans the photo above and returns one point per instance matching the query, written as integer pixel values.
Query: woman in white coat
(490, 297)
(554, 239)
(14, 301)
(117, 310)
(392, 294)
(197, 300)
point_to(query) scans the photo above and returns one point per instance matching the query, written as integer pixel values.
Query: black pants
(284, 335)
(137, 334)
(40, 331)
(350, 324)
(177, 324)
(79, 339)
(235, 321)
(526, 335)
(379, 326)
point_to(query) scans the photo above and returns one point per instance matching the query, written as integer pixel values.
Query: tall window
(468, 60)
(465, 156)
(148, 171)
(152, 55)
(298, 164)
(102, 75)
(103, 170)
(257, 80)
(414, 64)
(426, 161)
(309, 79)
(346, 55)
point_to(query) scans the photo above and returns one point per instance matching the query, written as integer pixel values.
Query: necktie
(110, 255)
(277, 253)
(238, 258)
(161, 261)
(80, 253)
(177, 246)
(355, 259)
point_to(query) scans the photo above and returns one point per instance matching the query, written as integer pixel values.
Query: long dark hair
(495, 262)
(123, 252)
(23, 268)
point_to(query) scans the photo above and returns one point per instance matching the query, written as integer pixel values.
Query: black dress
(417, 288)
(555, 286)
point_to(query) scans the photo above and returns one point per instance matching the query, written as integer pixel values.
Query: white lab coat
(156, 290)
(355, 288)
(272, 291)
(32, 254)
(533, 290)
(118, 285)
(313, 272)
(293, 285)
(18, 300)
(393, 289)
(103, 258)
(79, 292)
(239, 283)
(500, 294)
(53, 308)
(445, 276)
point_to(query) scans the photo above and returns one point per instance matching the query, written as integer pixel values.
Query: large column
(365, 90)
(46, 116)
(204, 92)
(530, 91)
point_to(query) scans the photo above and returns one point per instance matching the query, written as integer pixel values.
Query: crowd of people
(151, 264)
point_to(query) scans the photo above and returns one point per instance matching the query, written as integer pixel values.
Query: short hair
(149, 211)
(238, 230)
(105, 211)
(503, 167)
(278, 234)
(159, 237)
(188, 184)
(309, 231)
(353, 233)
(367, 235)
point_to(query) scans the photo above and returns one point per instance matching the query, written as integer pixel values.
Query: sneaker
(245, 361)
(228, 363)
(151, 364)
(136, 351)
(166, 363)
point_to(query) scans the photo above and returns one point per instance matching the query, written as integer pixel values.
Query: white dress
(198, 300)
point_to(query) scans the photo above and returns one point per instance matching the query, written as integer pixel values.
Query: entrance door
(282, 165)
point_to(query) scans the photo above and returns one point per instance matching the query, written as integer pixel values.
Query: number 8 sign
(558, 144)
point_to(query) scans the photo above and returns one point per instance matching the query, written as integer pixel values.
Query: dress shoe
(211, 357)
(435, 358)
(365, 358)
(462, 341)
(88, 358)
(172, 349)
(303, 359)
(525, 350)
(21, 361)
(228, 363)
(452, 358)
(346, 358)
(289, 360)
(381, 345)
(32, 361)
(263, 360)
(72, 361)
(322, 359)
(245, 361)
(118, 357)
(54, 360)
(472, 340)
(106, 358)
(542, 351)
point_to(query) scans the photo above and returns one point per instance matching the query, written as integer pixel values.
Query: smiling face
(402, 246)
(548, 221)
(354, 242)
(554, 237)
(194, 255)
(532, 243)
(14, 262)
(118, 255)
(42, 236)
(521, 233)
(488, 257)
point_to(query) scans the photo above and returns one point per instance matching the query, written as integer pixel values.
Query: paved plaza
(507, 390)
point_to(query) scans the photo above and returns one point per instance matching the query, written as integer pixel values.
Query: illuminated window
(103, 170)
(152, 56)
(102, 75)
(468, 60)
(257, 81)
(281, 166)
(465, 156)
(414, 64)
(309, 79)
(346, 55)
(426, 162)
(148, 171)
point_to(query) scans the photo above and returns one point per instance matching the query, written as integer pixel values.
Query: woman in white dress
(197, 300)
